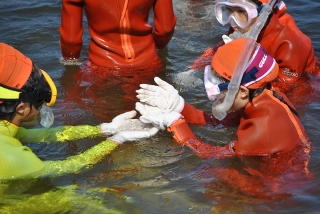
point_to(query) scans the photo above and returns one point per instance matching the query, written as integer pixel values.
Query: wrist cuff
(181, 131)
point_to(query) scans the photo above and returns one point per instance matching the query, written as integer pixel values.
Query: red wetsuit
(267, 126)
(284, 41)
(120, 33)
(270, 155)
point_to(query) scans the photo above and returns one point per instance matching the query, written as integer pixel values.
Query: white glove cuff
(171, 117)
(180, 105)
(117, 139)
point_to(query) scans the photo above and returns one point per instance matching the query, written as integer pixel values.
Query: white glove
(122, 122)
(163, 96)
(160, 118)
(226, 39)
(134, 135)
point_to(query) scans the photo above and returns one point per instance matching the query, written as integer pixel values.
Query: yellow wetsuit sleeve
(76, 163)
(19, 161)
(57, 134)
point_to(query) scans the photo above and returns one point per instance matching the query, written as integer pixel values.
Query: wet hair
(255, 92)
(8, 108)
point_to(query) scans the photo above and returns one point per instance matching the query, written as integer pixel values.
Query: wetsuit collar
(8, 128)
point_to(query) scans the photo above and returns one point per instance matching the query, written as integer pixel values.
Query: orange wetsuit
(284, 41)
(267, 126)
(270, 155)
(120, 33)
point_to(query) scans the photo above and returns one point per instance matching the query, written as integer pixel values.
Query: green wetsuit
(18, 161)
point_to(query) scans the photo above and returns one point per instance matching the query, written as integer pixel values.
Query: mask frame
(45, 92)
(225, 17)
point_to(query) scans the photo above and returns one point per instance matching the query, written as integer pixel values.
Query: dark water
(154, 175)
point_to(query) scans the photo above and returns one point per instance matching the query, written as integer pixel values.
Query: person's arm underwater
(121, 122)
(18, 161)
(57, 134)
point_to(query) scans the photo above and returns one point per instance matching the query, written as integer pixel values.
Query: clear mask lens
(212, 83)
(237, 14)
(47, 116)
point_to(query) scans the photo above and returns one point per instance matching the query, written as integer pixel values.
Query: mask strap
(247, 77)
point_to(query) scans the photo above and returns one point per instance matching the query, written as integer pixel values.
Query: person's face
(30, 113)
(242, 16)
(240, 101)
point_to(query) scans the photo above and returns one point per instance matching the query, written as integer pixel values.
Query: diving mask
(214, 84)
(236, 12)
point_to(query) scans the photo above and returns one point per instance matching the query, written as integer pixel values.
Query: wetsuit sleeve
(71, 29)
(58, 134)
(291, 48)
(292, 57)
(199, 117)
(20, 161)
(77, 163)
(164, 22)
(193, 115)
(184, 136)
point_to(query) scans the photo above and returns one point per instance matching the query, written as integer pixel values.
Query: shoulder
(17, 160)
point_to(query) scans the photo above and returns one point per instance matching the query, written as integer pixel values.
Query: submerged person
(269, 126)
(280, 37)
(121, 35)
(25, 90)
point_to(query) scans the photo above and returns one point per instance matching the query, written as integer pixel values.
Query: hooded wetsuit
(267, 126)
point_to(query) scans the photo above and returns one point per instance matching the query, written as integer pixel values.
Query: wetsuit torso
(120, 33)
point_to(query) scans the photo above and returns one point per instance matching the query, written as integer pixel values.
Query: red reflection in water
(257, 179)
(106, 92)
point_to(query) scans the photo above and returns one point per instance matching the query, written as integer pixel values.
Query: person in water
(269, 126)
(123, 48)
(120, 33)
(26, 90)
(280, 36)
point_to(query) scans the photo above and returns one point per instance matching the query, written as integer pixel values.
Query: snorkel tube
(220, 111)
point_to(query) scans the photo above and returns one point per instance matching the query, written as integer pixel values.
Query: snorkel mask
(260, 70)
(242, 14)
(44, 93)
(220, 110)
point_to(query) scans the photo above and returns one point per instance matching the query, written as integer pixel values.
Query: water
(154, 175)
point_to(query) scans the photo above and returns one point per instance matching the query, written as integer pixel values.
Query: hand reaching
(163, 96)
(122, 122)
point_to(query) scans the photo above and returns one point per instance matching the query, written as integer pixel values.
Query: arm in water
(17, 160)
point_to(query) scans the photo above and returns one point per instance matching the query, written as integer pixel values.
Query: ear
(244, 92)
(21, 108)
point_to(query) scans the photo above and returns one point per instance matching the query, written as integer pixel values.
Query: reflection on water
(154, 175)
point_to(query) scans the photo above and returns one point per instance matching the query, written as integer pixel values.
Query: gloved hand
(122, 122)
(226, 39)
(133, 135)
(160, 118)
(163, 96)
